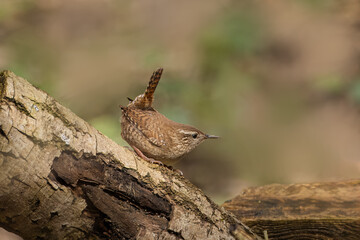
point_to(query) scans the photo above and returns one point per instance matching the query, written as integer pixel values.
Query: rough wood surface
(329, 210)
(62, 179)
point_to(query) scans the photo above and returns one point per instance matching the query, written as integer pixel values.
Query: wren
(154, 137)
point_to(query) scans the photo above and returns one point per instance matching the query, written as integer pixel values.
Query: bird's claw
(153, 161)
(175, 170)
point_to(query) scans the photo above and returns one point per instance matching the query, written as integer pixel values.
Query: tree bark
(329, 210)
(62, 179)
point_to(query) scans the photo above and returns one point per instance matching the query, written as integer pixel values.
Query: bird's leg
(150, 160)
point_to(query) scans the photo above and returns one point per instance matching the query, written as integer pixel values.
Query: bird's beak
(210, 136)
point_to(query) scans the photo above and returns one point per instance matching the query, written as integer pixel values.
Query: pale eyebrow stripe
(187, 132)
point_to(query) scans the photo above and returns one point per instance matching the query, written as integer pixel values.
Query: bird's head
(191, 137)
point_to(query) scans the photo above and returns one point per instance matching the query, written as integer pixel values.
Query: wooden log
(62, 179)
(328, 210)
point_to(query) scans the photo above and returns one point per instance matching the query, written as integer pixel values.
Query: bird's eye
(194, 135)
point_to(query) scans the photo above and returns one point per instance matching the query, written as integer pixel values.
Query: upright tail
(145, 100)
(149, 92)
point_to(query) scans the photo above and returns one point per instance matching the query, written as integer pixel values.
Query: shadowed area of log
(329, 210)
(126, 204)
(123, 218)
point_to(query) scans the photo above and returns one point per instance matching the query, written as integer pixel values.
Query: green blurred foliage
(33, 59)
(109, 126)
(354, 91)
(224, 46)
(331, 85)
(11, 8)
(235, 35)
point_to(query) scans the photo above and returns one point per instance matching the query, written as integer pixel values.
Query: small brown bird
(153, 136)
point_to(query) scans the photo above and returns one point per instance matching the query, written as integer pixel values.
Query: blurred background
(279, 81)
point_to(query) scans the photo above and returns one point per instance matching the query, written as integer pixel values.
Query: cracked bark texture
(327, 210)
(62, 179)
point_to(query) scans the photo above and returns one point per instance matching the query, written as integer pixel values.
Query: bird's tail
(145, 100)
(149, 92)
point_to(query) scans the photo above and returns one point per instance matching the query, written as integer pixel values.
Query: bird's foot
(175, 170)
(150, 160)
(153, 161)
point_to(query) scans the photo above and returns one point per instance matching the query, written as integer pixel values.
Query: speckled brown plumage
(151, 134)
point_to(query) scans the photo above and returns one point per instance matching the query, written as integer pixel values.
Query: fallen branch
(329, 210)
(61, 178)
